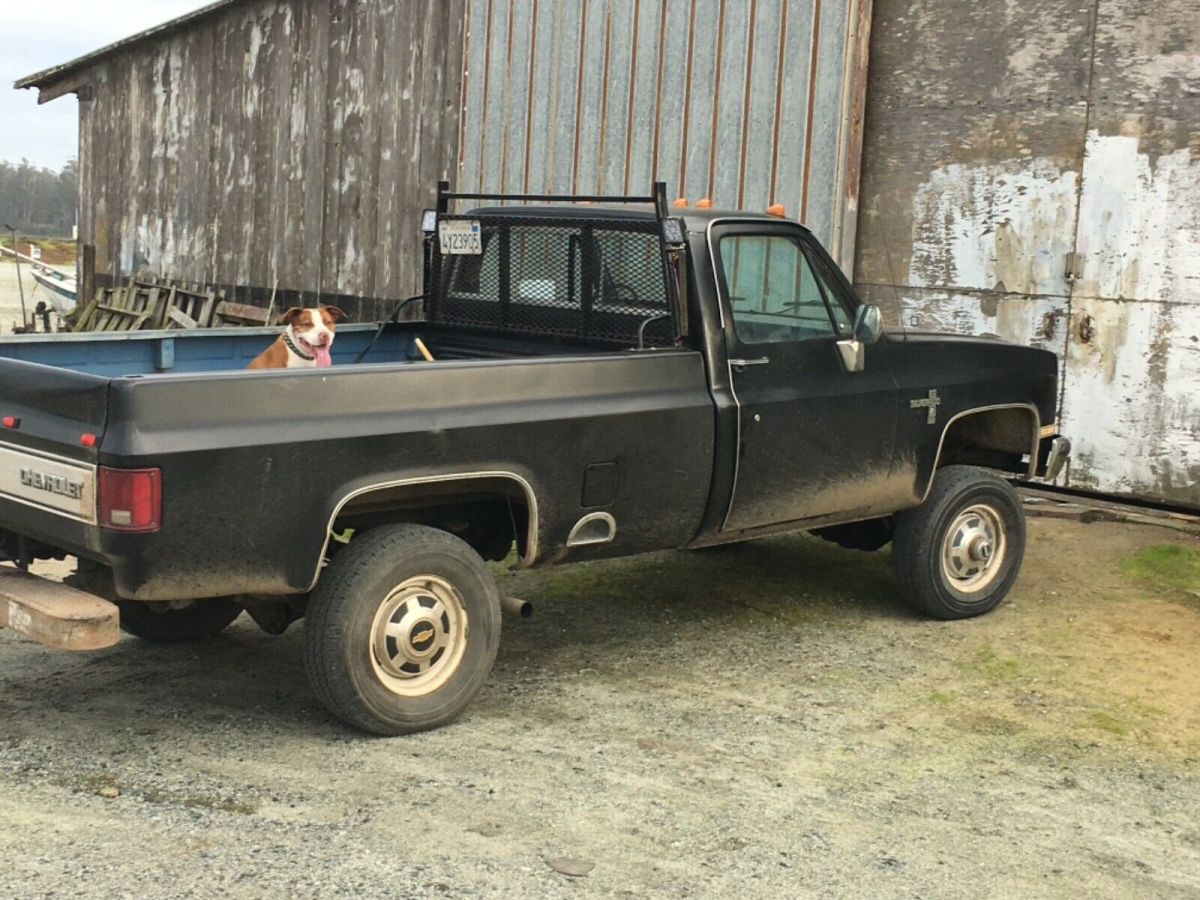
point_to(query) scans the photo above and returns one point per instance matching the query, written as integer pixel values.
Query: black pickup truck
(605, 380)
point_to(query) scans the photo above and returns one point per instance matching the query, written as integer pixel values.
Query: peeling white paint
(1032, 321)
(1139, 222)
(1132, 399)
(1004, 226)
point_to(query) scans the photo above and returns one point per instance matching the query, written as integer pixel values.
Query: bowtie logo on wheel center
(421, 637)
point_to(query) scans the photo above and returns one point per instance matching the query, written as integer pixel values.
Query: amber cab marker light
(680, 203)
(778, 210)
(89, 440)
(11, 422)
(706, 203)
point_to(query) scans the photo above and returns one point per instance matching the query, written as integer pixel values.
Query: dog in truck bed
(307, 342)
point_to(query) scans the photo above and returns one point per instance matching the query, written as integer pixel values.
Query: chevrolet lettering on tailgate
(53, 483)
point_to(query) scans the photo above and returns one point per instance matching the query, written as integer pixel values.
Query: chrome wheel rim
(974, 549)
(419, 636)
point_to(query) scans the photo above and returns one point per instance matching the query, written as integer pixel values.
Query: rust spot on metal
(858, 101)
(662, 47)
(812, 108)
(746, 106)
(716, 110)
(462, 101)
(687, 93)
(633, 55)
(579, 101)
(529, 94)
(783, 27)
(487, 75)
(604, 95)
(508, 66)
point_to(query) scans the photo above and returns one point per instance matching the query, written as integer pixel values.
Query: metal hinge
(1073, 266)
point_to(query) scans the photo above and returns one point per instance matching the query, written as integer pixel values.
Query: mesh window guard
(587, 280)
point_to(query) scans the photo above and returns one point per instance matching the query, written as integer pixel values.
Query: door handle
(743, 363)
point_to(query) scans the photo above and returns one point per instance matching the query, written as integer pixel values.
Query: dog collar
(291, 345)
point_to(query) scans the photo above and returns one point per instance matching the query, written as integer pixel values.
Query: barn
(1025, 170)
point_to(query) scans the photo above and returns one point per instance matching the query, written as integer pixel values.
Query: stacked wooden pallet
(143, 304)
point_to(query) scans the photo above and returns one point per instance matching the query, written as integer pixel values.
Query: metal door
(744, 103)
(813, 438)
(1131, 397)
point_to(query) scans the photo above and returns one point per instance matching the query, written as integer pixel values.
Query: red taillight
(130, 499)
(88, 440)
(11, 422)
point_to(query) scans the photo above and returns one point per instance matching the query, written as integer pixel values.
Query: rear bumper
(54, 614)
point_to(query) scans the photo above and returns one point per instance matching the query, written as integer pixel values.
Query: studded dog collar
(291, 345)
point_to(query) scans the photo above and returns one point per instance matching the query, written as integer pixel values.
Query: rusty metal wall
(277, 142)
(745, 102)
(1033, 171)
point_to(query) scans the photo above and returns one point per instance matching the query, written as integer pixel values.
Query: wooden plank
(87, 313)
(182, 319)
(242, 312)
(56, 615)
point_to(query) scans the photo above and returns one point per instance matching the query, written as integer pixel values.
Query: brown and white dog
(306, 342)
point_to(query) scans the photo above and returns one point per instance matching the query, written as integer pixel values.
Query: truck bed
(256, 465)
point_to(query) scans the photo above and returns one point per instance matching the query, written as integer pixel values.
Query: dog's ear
(290, 317)
(336, 314)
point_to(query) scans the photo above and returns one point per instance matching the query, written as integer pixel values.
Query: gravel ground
(762, 721)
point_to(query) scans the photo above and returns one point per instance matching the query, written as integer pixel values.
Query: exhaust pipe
(520, 609)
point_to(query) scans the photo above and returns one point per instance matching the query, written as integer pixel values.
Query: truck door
(814, 439)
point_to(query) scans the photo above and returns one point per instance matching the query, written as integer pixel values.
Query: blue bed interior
(203, 350)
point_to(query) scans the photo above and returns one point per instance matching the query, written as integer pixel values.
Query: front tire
(959, 553)
(402, 630)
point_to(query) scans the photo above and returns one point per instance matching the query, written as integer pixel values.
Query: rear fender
(410, 491)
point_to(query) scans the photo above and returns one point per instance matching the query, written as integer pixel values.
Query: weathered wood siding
(1004, 137)
(276, 143)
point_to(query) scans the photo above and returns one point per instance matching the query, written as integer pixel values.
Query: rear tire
(959, 553)
(158, 624)
(402, 630)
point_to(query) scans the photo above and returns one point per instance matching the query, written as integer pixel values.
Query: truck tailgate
(45, 466)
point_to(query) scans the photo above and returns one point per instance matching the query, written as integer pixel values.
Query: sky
(36, 36)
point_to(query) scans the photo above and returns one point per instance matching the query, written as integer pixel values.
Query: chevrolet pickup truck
(606, 379)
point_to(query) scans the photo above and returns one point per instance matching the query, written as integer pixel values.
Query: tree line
(39, 201)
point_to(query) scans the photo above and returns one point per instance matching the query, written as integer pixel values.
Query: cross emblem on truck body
(932, 402)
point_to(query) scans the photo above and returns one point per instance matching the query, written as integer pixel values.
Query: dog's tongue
(324, 358)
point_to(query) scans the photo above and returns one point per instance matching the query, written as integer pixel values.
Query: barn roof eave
(55, 75)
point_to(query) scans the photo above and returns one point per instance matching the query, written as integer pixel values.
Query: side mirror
(868, 324)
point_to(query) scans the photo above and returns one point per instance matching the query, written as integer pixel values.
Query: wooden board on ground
(55, 614)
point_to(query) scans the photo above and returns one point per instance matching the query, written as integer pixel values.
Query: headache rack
(604, 276)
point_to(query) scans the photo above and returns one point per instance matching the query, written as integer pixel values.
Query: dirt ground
(762, 721)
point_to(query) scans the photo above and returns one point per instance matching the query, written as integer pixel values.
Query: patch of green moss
(1106, 721)
(1173, 568)
(989, 665)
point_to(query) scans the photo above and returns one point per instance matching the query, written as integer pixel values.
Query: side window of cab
(775, 291)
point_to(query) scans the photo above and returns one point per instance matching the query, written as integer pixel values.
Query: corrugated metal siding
(745, 102)
(1001, 138)
(275, 142)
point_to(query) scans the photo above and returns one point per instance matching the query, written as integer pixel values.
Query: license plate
(48, 482)
(460, 237)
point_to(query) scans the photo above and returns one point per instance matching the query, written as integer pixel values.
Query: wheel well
(995, 438)
(487, 513)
